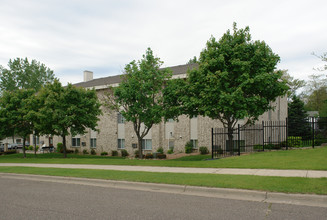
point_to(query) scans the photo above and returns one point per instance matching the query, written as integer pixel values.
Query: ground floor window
(146, 144)
(194, 143)
(171, 144)
(93, 143)
(36, 139)
(121, 143)
(76, 142)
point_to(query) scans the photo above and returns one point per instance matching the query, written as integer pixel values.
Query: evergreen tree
(298, 119)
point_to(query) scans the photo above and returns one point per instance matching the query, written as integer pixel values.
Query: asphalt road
(29, 199)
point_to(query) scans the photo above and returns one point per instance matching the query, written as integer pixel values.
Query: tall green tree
(297, 119)
(139, 96)
(235, 80)
(22, 74)
(67, 110)
(316, 92)
(294, 84)
(323, 58)
(193, 60)
(14, 113)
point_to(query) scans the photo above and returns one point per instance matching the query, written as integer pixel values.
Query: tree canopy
(297, 118)
(316, 93)
(235, 79)
(15, 112)
(139, 96)
(294, 84)
(22, 74)
(67, 110)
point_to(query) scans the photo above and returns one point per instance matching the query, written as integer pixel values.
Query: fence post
(211, 143)
(263, 135)
(286, 133)
(238, 141)
(313, 132)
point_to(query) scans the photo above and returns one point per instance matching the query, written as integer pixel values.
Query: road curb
(225, 193)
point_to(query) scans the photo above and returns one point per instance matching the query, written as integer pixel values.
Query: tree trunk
(34, 139)
(139, 139)
(64, 145)
(24, 153)
(230, 139)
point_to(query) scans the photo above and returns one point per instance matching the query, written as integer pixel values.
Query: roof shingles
(176, 70)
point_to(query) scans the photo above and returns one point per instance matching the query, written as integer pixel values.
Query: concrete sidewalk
(256, 172)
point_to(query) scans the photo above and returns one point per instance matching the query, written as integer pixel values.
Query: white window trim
(76, 138)
(120, 143)
(145, 144)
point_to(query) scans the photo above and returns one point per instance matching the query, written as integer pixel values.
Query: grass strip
(263, 183)
(303, 159)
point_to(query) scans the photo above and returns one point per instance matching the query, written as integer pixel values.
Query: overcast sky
(70, 36)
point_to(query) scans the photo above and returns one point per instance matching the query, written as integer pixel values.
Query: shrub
(59, 147)
(136, 154)
(114, 153)
(320, 139)
(10, 152)
(273, 146)
(319, 142)
(124, 153)
(76, 151)
(148, 156)
(37, 147)
(160, 150)
(69, 151)
(161, 156)
(170, 151)
(203, 150)
(104, 153)
(30, 147)
(93, 152)
(188, 147)
(294, 141)
(85, 151)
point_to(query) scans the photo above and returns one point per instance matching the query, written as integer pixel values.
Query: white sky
(70, 36)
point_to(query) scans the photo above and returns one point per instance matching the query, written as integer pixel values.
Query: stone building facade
(117, 134)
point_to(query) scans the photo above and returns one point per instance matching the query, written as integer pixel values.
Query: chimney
(88, 75)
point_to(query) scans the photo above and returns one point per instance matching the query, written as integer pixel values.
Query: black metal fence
(269, 135)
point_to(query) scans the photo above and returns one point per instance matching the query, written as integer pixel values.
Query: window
(146, 144)
(93, 143)
(36, 139)
(194, 143)
(76, 142)
(120, 118)
(18, 141)
(121, 143)
(171, 144)
(170, 120)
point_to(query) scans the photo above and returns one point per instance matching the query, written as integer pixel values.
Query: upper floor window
(120, 118)
(170, 120)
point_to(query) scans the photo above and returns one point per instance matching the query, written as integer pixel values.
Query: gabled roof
(110, 80)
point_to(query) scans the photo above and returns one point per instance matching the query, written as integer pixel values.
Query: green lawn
(273, 184)
(306, 159)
